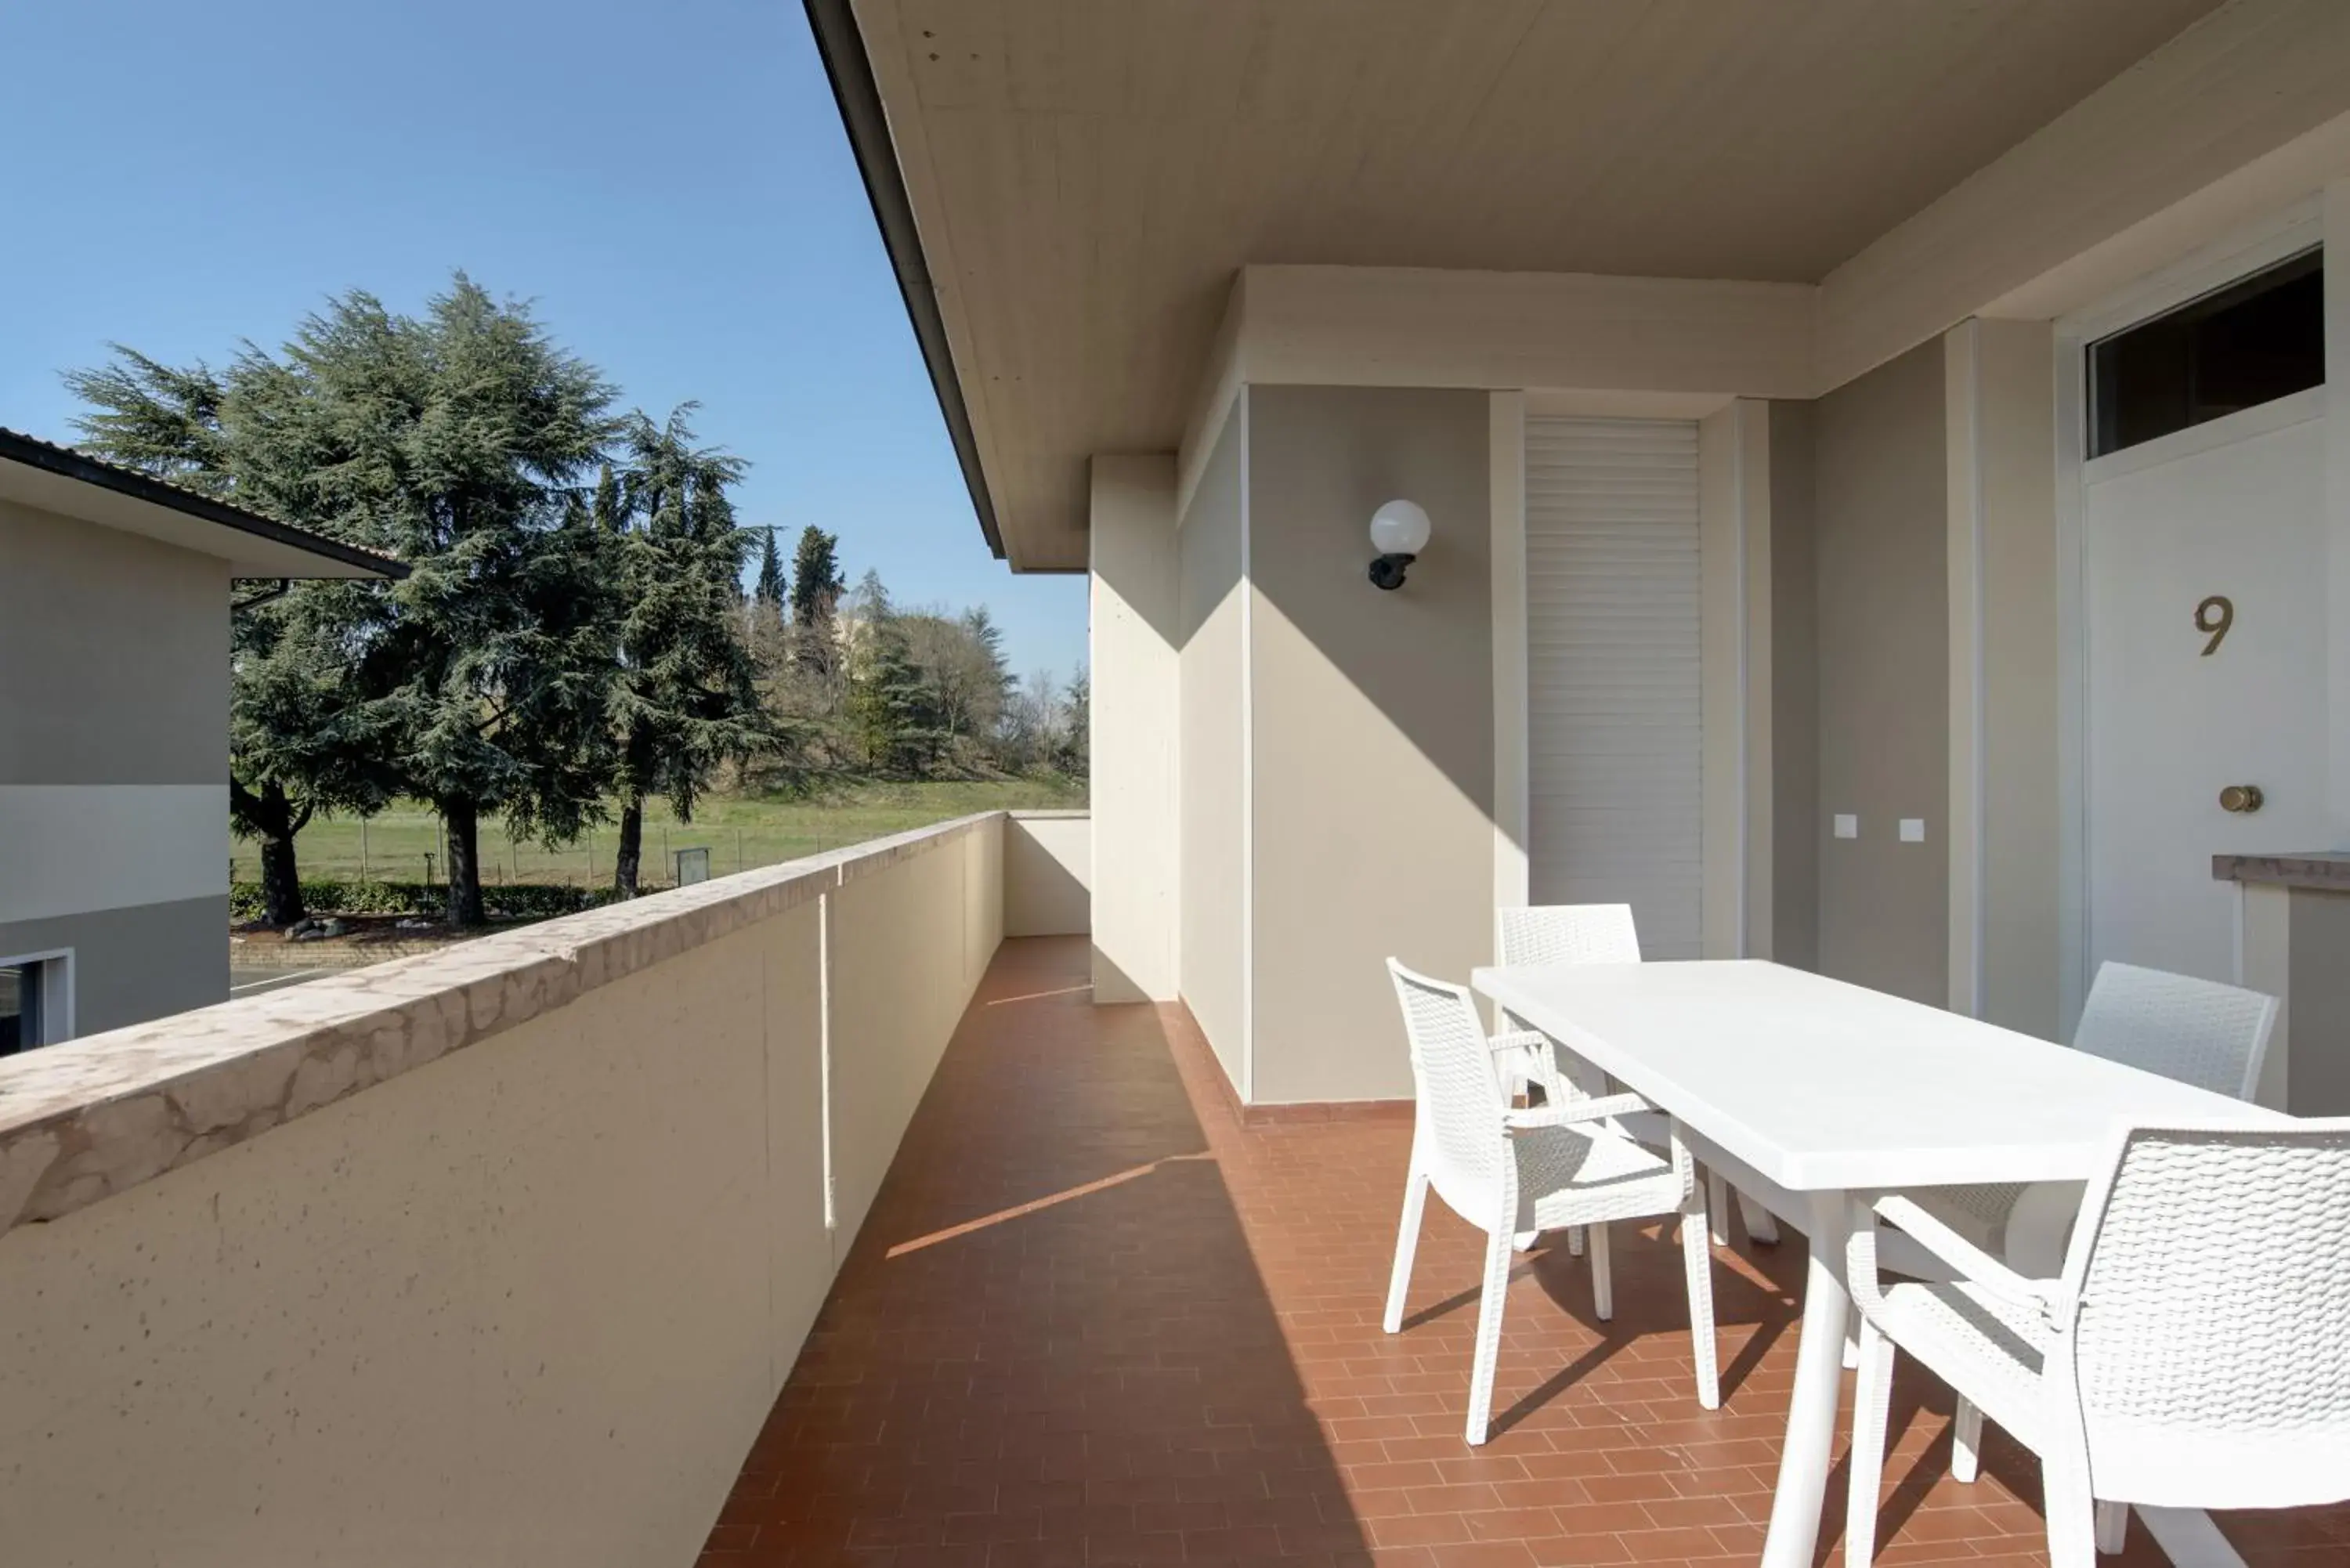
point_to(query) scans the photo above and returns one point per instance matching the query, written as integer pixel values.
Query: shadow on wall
(1338, 756)
(1048, 874)
(1364, 777)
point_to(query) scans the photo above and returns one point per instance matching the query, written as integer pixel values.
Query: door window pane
(20, 1007)
(2252, 342)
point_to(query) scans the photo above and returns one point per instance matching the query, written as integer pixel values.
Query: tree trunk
(459, 816)
(273, 817)
(632, 844)
(281, 882)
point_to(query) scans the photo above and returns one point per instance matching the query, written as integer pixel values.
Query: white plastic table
(1827, 1090)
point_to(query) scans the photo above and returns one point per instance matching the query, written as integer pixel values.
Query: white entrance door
(2218, 526)
(1613, 683)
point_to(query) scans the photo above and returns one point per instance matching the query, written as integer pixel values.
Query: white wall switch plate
(1913, 830)
(1848, 825)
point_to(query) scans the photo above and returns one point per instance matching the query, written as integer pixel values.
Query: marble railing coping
(2327, 870)
(87, 1119)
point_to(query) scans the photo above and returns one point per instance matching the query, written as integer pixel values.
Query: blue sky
(669, 183)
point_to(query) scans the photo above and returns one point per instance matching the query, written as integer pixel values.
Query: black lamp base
(1387, 571)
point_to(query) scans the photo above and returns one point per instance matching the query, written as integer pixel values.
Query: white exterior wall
(1212, 820)
(1135, 661)
(1048, 875)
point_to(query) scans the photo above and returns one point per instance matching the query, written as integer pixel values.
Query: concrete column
(2264, 962)
(2003, 835)
(1734, 552)
(2337, 515)
(1135, 645)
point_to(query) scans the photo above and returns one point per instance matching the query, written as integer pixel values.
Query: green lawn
(740, 832)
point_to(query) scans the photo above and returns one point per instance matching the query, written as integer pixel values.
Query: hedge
(511, 900)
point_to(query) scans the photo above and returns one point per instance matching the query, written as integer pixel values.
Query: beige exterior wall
(1373, 785)
(96, 621)
(1734, 554)
(114, 691)
(2314, 1081)
(528, 1303)
(1797, 824)
(2003, 652)
(2290, 942)
(1135, 712)
(2265, 938)
(1212, 746)
(1881, 613)
(1049, 875)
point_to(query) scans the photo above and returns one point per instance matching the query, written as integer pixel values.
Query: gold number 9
(2215, 616)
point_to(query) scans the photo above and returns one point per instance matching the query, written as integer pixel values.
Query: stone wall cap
(83, 1120)
(2325, 869)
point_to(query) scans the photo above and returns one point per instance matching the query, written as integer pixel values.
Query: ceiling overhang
(1076, 194)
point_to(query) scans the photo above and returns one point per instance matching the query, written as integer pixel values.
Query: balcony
(816, 1215)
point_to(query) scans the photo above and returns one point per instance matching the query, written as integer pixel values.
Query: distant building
(115, 594)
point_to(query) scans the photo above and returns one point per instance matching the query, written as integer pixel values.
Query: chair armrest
(1559, 1116)
(1541, 1062)
(1974, 1265)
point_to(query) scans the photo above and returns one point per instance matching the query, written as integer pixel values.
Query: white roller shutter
(1613, 688)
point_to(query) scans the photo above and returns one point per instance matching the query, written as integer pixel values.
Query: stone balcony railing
(497, 1254)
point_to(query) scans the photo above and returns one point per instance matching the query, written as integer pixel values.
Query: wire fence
(413, 849)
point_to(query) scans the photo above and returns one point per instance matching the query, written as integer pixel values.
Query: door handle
(2242, 799)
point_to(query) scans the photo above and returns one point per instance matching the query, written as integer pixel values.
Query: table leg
(2188, 1538)
(1819, 1378)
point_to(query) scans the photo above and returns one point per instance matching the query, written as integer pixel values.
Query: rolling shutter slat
(1613, 683)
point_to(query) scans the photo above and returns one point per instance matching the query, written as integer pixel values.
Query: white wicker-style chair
(1510, 1172)
(1567, 933)
(1564, 934)
(1561, 933)
(1601, 933)
(2190, 1355)
(2199, 1032)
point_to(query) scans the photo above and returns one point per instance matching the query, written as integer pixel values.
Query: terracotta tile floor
(1092, 1320)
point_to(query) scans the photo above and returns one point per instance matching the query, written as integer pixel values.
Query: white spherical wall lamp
(1399, 532)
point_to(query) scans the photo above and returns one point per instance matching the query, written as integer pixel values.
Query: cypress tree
(771, 589)
(816, 586)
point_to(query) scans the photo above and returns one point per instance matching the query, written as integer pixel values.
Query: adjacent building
(116, 592)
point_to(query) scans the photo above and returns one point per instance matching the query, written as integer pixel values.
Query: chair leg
(2072, 1512)
(1872, 1401)
(1415, 1199)
(2113, 1527)
(1761, 1225)
(1966, 1442)
(1488, 1335)
(1717, 1208)
(1603, 1275)
(1697, 1259)
(1575, 1241)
